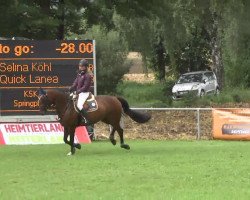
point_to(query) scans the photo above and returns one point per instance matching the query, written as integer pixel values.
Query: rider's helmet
(83, 65)
(83, 62)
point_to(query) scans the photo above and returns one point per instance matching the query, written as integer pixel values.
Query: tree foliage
(178, 35)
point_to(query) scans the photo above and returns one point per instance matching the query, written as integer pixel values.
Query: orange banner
(231, 124)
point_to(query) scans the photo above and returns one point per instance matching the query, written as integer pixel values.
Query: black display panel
(26, 65)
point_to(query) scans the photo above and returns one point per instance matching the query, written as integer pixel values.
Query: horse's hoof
(69, 154)
(113, 142)
(78, 146)
(125, 146)
(72, 152)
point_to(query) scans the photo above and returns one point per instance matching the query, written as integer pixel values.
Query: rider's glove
(73, 95)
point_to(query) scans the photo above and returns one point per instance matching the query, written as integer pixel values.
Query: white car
(198, 83)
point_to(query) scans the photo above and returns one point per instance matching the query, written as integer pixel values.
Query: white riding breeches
(82, 97)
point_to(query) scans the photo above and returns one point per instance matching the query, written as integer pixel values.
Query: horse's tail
(133, 114)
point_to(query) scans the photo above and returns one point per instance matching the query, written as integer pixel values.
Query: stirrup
(83, 116)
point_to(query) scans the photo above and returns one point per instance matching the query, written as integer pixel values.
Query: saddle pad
(91, 104)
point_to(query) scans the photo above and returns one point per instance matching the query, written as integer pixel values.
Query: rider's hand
(73, 95)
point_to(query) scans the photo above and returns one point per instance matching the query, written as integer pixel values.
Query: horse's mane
(56, 95)
(55, 92)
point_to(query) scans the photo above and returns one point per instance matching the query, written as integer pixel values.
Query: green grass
(158, 95)
(142, 94)
(150, 170)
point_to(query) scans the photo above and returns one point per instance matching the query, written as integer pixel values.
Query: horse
(110, 111)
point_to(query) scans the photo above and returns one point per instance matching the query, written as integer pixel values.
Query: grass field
(150, 170)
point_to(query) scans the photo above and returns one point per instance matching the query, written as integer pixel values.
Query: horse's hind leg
(117, 126)
(123, 145)
(112, 135)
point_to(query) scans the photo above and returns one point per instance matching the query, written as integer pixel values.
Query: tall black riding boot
(84, 113)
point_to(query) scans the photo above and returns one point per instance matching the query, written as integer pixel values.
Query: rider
(81, 86)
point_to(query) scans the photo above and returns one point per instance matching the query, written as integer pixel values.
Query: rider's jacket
(82, 83)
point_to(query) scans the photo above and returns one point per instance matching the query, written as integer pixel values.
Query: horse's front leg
(71, 132)
(66, 135)
(71, 140)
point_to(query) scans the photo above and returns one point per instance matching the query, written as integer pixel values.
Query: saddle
(89, 105)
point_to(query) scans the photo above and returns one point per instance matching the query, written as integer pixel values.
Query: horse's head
(44, 101)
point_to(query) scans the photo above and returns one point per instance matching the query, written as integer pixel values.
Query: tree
(236, 43)
(27, 19)
(160, 59)
(194, 34)
(111, 53)
(42, 19)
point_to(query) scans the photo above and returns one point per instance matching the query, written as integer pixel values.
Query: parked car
(197, 83)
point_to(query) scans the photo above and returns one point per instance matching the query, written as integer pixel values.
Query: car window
(210, 75)
(190, 78)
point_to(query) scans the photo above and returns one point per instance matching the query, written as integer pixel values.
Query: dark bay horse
(110, 110)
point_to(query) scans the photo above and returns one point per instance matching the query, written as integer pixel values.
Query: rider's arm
(73, 87)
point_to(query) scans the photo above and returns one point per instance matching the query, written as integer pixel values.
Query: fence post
(198, 136)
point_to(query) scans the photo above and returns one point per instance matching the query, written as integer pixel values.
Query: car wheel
(202, 93)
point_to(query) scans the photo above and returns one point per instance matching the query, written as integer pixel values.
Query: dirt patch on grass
(139, 78)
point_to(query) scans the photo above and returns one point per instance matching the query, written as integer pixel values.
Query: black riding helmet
(83, 62)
